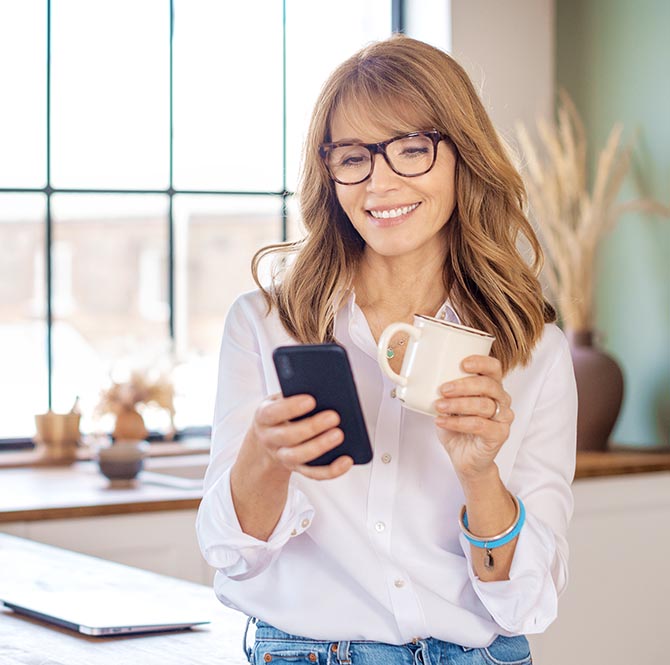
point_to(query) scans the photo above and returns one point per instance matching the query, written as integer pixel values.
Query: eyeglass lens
(408, 156)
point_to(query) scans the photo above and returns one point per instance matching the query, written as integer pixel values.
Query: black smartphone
(323, 371)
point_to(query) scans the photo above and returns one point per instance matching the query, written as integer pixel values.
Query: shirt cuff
(527, 603)
(236, 554)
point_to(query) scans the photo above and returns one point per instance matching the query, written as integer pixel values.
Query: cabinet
(614, 610)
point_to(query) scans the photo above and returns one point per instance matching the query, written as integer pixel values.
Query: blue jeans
(276, 647)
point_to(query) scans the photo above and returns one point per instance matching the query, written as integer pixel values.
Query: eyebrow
(352, 140)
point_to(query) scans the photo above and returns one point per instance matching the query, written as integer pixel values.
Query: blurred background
(147, 149)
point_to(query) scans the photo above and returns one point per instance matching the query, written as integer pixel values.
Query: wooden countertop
(35, 458)
(53, 492)
(80, 490)
(27, 641)
(620, 461)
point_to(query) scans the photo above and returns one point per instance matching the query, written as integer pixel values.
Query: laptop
(93, 596)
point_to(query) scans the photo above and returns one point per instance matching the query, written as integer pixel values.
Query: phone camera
(285, 368)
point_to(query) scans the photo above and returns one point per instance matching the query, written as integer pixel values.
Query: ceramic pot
(129, 425)
(599, 388)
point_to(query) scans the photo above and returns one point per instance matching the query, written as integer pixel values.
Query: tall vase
(599, 388)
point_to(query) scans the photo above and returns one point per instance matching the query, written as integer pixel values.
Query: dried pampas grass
(571, 219)
(140, 389)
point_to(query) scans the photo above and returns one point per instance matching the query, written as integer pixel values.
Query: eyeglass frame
(380, 149)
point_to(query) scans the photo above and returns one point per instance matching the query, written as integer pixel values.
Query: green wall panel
(613, 57)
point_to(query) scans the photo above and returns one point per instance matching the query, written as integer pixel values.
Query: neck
(398, 289)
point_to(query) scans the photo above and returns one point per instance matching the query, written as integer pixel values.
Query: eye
(413, 150)
(348, 157)
(412, 147)
(353, 160)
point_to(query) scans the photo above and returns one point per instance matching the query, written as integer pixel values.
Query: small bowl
(123, 460)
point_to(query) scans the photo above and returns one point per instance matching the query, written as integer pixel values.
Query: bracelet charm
(489, 544)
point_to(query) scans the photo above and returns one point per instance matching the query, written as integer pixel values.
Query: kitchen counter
(80, 490)
(56, 492)
(27, 641)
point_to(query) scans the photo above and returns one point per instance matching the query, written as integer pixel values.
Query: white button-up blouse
(377, 554)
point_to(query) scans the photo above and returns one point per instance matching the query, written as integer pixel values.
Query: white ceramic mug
(434, 354)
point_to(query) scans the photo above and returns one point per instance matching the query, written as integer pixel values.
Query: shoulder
(552, 345)
(251, 321)
(550, 356)
(250, 306)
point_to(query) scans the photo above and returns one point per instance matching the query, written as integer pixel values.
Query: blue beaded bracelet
(495, 541)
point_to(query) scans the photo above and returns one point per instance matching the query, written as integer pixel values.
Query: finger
(487, 429)
(486, 365)
(296, 433)
(333, 470)
(479, 405)
(293, 456)
(280, 409)
(476, 385)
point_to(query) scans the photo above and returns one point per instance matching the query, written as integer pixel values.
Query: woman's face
(395, 215)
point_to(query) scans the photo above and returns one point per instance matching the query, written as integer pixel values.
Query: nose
(382, 178)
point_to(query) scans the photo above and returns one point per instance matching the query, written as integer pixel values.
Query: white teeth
(396, 212)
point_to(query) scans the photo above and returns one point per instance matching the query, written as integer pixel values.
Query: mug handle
(383, 343)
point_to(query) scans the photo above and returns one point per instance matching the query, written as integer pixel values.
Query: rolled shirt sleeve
(241, 388)
(236, 554)
(542, 474)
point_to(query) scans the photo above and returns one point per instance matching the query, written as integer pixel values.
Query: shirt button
(294, 532)
(380, 526)
(393, 393)
(386, 458)
(305, 523)
(399, 584)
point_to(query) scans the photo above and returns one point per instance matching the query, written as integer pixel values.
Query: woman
(411, 206)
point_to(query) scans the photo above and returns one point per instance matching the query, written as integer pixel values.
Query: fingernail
(447, 387)
(468, 365)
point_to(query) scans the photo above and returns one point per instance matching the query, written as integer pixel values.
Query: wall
(614, 59)
(507, 48)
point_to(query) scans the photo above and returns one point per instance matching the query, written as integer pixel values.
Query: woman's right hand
(288, 446)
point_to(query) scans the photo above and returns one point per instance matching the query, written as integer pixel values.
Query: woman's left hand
(474, 416)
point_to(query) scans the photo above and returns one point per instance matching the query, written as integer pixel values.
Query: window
(146, 151)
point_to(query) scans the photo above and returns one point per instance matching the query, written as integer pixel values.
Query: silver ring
(497, 412)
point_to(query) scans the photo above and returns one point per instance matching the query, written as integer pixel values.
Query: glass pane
(348, 28)
(110, 94)
(23, 142)
(228, 95)
(110, 297)
(215, 238)
(23, 360)
(294, 226)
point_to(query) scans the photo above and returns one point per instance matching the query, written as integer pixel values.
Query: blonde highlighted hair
(405, 85)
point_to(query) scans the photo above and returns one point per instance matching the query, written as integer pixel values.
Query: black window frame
(48, 190)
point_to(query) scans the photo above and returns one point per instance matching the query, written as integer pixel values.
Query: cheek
(347, 198)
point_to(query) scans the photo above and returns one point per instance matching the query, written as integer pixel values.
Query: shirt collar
(351, 321)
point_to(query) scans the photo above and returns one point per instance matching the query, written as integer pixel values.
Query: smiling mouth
(393, 212)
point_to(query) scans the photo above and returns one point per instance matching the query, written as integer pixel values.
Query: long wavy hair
(405, 85)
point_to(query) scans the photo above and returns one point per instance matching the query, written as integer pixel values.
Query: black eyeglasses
(409, 155)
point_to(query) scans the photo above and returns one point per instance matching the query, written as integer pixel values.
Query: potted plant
(126, 400)
(572, 220)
